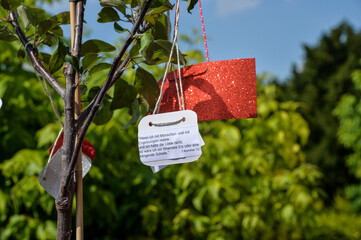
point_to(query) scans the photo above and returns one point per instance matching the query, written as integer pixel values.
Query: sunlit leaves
(96, 46)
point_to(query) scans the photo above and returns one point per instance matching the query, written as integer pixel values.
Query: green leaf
(57, 31)
(7, 35)
(21, 53)
(108, 14)
(89, 60)
(134, 51)
(162, 55)
(94, 91)
(83, 88)
(147, 46)
(135, 114)
(161, 28)
(160, 6)
(99, 67)
(44, 57)
(73, 61)
(191, 4)
(96, 46)
(11, 4)
(104, 113)
(118, 4)
(124, 94)
(146, 86)
(31, 16)
(61, 18)
(57, 59)
(119, 29)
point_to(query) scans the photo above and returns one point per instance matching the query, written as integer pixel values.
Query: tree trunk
(64, 206)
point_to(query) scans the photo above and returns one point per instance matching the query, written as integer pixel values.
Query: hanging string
(157, 105)
(180, 78)
(204, 31)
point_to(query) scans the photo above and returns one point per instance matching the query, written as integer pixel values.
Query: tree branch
(29, 48)
(113, 75)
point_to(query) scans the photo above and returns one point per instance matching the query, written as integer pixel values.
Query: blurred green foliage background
(292, 173)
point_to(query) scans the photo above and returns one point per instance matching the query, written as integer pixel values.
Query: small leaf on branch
(147, 46)
(160, 6)
(124, 94)
(135, 112)
(146, 86)
(162, 55)
(96, 46)
(191, 4)
(94, 91)
(108, 14)
(21, 53)
(57, 59)
(89, 60)
(61, 18)
(112, 3)
(161, 28)
(44, 57)
(73, 62)
(7, 35)
(83, 88)
(31, 16)
(134, 51)
(119, 29)
(11, 4)
(104, 113)
(99, 67)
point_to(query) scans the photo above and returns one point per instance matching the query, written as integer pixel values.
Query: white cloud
(233, 6)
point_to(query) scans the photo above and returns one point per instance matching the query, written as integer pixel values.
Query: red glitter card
(215, 90)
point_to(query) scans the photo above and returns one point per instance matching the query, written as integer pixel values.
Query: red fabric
(87, 148)
(215, 90)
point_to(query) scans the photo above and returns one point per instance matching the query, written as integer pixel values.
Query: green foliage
(254, 180)
(325, 77)
(348, 112)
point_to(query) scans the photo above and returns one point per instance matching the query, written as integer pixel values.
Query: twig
(29, 48)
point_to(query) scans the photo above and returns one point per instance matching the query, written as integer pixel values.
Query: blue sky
(273, 32)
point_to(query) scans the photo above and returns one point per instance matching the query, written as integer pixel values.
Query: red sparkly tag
(87, 148)
(215, 90)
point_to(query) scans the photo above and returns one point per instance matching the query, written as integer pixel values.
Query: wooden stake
(79, 170)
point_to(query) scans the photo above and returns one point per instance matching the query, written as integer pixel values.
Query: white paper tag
(50, 175)
(169, 138)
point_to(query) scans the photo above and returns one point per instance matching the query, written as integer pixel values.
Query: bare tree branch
(29, 48)
(113, 75)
